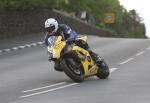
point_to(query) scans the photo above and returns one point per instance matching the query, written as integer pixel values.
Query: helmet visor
(50, 29)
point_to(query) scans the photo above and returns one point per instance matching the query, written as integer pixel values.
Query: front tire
(73, 69)
(58, 67)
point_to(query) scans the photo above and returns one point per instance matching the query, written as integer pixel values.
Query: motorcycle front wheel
(73, 69)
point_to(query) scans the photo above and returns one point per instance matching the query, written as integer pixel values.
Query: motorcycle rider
(54, 29)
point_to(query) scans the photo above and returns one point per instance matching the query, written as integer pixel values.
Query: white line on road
(22, 47)
(142, 52)
(44, 87)
(7, 50)
(126, 61)
(33, 44)
(113, 69)
(40, 43)
(15, 48)
(53, 89)
(50, 90)
(28, 45)
(148, 48)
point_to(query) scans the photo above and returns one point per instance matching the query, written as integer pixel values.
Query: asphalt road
(26, 76)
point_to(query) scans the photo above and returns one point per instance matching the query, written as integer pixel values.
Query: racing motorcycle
(75, 61)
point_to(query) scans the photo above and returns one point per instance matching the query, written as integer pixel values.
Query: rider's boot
(96, 58)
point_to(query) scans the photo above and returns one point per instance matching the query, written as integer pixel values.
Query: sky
(142, 7)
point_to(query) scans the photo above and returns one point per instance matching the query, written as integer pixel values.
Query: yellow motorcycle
(75, 61)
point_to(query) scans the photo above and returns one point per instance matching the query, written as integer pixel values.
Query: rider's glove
(70, 41)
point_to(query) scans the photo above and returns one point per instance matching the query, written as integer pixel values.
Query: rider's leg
(94, 56)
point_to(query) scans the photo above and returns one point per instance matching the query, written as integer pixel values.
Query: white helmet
(51, 23)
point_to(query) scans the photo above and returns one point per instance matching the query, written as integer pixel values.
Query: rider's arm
(50, 55)
(46, 40)
(71, 35)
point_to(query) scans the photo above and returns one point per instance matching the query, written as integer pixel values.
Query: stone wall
(18, 23)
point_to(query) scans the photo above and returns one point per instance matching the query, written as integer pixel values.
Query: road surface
(26, 76)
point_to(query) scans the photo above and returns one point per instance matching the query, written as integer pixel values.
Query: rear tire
(103, 71)
(75, 72)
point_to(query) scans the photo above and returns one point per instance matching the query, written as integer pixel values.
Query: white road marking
(40, 43)
(148, 48)
(21, 47)
(44, 87)
(6, 50)
(33, 44)
(50, 90)
(28, 45)
(53, 89)
(126, 61)
(113, 69)
(15, 48)
(142, 52)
